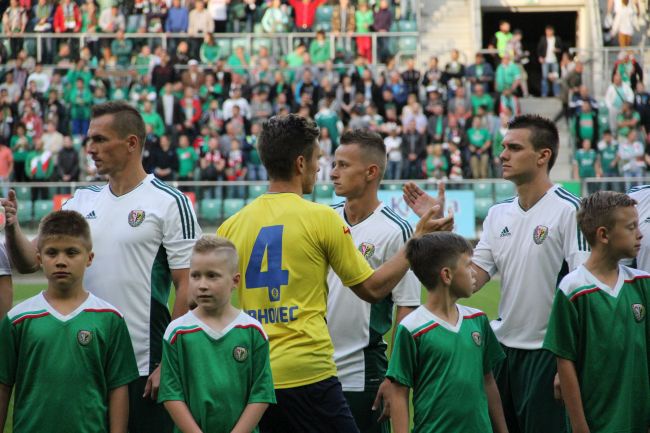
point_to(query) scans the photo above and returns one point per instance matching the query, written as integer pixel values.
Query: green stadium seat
(483, 190)
(407, 44)
(407, 26)
(255, 191)
(481, 207)
(325, 201)
(392, 187)
(231, 206)
(23, 193)
(324, 191)
(394, 27)
(243, 42)
(25, 209)
(324, 26)
(260, 42)
(504, 190)
(42, 208)
(226, 48)
(210, 209)
(324, 14)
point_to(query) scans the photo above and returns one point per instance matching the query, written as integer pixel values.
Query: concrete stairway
(445, 25)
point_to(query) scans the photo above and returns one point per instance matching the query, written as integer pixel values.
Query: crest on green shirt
(84, 337)
(240, 353)
(639, 312)
(476, 336)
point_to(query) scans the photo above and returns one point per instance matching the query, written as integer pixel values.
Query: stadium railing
(406, 43)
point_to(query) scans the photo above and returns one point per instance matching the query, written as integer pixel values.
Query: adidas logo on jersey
(91, 216)
(505, 232)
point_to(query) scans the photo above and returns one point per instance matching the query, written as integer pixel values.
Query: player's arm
(118, 409)
(480, 276)
(5, 396)
(6, 295)
(250, 417)
(571, 395)
(182, 416)
(495, 408)
(21, 251)
(399, 398)
(387, 276)
(181, 279)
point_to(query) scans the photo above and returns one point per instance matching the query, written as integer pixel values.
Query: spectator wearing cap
(480, 72)
(111, 20)
(193, 77)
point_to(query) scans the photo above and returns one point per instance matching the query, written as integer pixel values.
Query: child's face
(64, 260)
(625, 237)
(212, 280)
(463, 277)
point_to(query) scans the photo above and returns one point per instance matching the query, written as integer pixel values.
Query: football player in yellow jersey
(286, 245)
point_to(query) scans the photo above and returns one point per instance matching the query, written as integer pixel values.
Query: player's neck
(65, 301)
(530, 193)
(127, 180)
(442, 303)
(217, 318)
(287, 186)
(603, 266)
(358, 209)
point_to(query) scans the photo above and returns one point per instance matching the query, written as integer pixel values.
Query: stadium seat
(240, 42)
(324, 26)
(325, 201)
(25, 209)
(260, 42)
(210, 209)
(23, 193)
(42, 208)
(504, 190)
(225, 46)
(324, 191)
(324, 14)
(481, 207)
(407, 26)
(483, 190)
(392, 187)
(407, 44)
(255, 191)
(394, 27)
(231, 206)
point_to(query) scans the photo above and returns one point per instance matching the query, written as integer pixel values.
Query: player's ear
(446, 275)
(39, 258)
(300, 164)
(372, 172)
(545, 156)
(236, 279)
(91, 256)
(602, 235)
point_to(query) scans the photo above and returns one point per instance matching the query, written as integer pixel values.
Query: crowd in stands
(203, 107)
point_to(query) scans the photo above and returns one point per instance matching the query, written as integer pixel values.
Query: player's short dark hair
(543, 133)
(597, 210)
(126, 119)
(64, 223)
(217, 244)
(428, 254)
(371, 144)
(282, 140)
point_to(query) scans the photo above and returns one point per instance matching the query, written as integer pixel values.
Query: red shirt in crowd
(305, 12)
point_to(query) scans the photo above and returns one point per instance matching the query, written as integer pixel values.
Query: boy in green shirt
(66, 352)
(598, 327)
(445, 351)
(216, 373)
(319, 49)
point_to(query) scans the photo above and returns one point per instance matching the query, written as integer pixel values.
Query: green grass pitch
(487, 300)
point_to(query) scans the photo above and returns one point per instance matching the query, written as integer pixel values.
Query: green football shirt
(445, 365)
(607, 157)
(216, 373)
(478, 136)
(63, 367)
(586, 160)
(605, 332)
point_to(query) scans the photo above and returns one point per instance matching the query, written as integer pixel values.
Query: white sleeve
(483, 257)
(5, 267)
(408, 292)
(180, 232)
(576, 248)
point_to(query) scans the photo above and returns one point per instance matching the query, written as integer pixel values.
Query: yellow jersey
(286, 245)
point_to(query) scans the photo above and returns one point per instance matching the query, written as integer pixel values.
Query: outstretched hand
(429, 223)
(419, 201)
(10, 203)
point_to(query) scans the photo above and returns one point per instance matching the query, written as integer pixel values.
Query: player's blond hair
(218, 245)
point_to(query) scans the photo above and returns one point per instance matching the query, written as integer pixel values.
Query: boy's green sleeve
(262, 390)
(492, 351)
(8, 352)
(171, 385)
(403, 362)
(121, 367)
(562, 333)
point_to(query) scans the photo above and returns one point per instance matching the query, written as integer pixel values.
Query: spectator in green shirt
(239, 61)
(295, 58)
(479, 147)
(21, 145)
(39, 166)
(480, 98)
(187, 159)
(80, 99)
(508, 75)
(586, 127)
(364, 19)
(122, 49)
(584, 163)
(152, 118)
(627, 119)
(608, 155)
(209, 52)
(319, 49)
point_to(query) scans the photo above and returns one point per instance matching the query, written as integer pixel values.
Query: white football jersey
(357, 328)
(138, 238)
(642, 195)
(532, 250)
